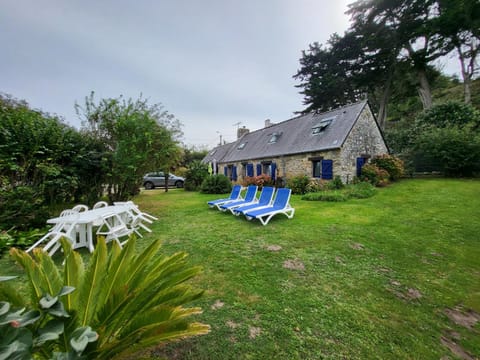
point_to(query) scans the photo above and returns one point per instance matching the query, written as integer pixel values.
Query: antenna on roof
(237, 124)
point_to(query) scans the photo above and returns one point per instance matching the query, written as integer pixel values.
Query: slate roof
(294, 136)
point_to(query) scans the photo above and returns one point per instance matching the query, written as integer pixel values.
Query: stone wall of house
(364, 140)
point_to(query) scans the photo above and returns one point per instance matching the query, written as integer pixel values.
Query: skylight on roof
(322, 125)
(242, 145)
(274, 138)
(213, 152)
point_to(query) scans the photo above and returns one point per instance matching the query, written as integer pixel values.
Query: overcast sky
(211, 63)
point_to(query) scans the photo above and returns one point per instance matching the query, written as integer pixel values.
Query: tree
(191, 154)
(412, 33)
(137, 138)
(326, 74)
(458, 25)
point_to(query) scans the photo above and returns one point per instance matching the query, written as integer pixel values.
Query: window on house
(321, 126)
(274, 137)
(244, 169)
(317, 168)
(266, 169)
(322, 169)
(242, 145)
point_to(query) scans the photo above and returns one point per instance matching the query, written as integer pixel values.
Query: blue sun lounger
(234, 195)
(264, 200)
(250, 198)
(280, 206)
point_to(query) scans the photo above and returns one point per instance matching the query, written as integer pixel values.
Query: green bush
(216, 184)
(6, 241)
(334, 196)
(362, 190)
(21, 208)
(43, 162)
(392, 164)
(451, 113)
(196, 173)
(446, 138)
(336, 183)
(455, 150)
(18, 238)
(374, 175)
(298, 184)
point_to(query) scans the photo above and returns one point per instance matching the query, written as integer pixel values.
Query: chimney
(268, 123)
(242, 131)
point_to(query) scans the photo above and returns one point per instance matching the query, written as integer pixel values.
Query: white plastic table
(85, 220)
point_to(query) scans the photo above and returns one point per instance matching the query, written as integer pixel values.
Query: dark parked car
(154, 179)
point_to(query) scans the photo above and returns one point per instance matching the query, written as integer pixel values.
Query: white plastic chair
(114, 228)
(100, 204)
(59, 230)
(135, 209)
(80, 208)
(136, 223)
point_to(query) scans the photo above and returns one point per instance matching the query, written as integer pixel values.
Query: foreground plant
(25, 332)
(132, 301)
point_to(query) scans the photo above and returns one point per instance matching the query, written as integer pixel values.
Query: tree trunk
(382, 111)
(167, 175)
(424, 90)
(465, 76)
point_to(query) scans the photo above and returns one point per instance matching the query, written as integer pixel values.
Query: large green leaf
(50, 273)
(81, 337)
(72, 274)
(51, 331)
(33, 274)
(91, 286)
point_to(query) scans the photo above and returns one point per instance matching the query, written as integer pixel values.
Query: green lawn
(372, 278)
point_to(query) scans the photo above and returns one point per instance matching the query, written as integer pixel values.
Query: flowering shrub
(259, 180)
(393, 165)
(316, 185)
(374, 175)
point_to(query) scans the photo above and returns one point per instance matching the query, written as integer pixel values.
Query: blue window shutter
(327, 169)
(234, 173)
(360, 162)
(250, 170)
(259, 169)
(225, 171)
(273, 168)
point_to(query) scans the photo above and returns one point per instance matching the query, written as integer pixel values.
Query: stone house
(319, 145)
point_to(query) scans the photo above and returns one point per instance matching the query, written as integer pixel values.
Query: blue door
(360, 162)
(327, 169)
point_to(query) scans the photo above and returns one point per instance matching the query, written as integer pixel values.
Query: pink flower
(15, 323)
